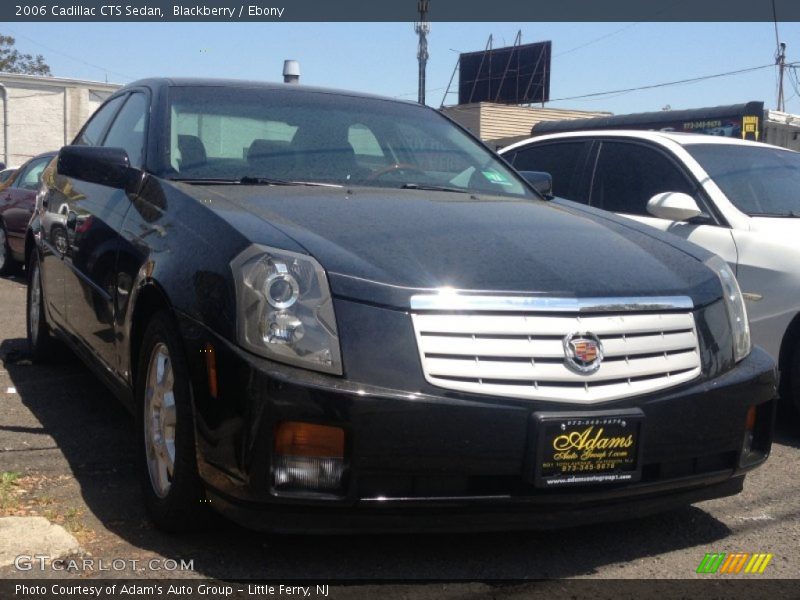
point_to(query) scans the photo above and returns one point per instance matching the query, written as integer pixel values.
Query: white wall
(44, 113)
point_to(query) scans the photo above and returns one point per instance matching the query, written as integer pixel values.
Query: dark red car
(17, 201)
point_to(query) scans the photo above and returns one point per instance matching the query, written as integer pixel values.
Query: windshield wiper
(204, 180)
(247, 180)
(433, 188)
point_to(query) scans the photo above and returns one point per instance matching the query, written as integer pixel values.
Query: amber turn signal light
(294, 438)
(749, 433)
(750, 422)
(308, 458)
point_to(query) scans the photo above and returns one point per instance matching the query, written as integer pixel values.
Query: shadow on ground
(95, 435)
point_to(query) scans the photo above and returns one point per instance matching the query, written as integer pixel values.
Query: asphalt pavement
(66, 453)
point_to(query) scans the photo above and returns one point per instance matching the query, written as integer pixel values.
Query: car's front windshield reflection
(258, 135)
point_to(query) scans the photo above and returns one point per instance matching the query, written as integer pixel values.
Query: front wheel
(173, 493)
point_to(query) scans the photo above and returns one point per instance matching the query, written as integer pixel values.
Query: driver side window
(127, 131)
(93, 131)
(628, 175)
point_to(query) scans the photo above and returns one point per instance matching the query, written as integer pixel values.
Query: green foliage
(13, 61)
(8, 481)
(8, 478)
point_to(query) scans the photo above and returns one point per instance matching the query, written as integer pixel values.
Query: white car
(738, 199)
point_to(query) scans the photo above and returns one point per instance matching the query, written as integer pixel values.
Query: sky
(380, 58)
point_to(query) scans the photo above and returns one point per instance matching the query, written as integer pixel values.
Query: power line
(664, 84)
(65, 55)
(793, 79)
(652, 86)
(599, 39)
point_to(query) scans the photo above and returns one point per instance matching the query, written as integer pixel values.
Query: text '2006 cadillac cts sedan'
(334, 312)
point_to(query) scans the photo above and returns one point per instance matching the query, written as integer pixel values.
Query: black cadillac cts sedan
(333, 312)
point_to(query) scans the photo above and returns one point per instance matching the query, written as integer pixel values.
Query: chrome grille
(516, 349)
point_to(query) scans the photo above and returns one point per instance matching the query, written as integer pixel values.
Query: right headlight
(734, 302)
(285, 310)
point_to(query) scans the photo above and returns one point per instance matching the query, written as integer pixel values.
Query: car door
(564, 160)
(628, 173)
(18, 201)
(59, 191)
(94, 218)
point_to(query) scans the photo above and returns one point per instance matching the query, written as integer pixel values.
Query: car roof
(164, 82)
(48, 154)
(683, 139)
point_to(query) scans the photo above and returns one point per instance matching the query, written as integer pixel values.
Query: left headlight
(734, 302)
(284, 309)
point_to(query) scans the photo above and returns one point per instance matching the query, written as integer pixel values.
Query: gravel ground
(67, 448)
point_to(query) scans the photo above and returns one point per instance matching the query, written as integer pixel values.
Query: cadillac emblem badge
(583, 352)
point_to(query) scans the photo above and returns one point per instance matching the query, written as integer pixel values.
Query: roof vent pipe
(291, 71)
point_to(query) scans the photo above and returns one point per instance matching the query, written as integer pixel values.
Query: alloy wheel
(160, 418)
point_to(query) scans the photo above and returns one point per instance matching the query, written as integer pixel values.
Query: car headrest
(193, 152)
(272, 158)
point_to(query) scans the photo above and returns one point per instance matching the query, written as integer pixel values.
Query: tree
(13, 61)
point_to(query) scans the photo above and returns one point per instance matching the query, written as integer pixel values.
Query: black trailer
(745, 121)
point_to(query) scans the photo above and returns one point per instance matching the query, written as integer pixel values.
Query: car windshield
(760, 181)
(271, 136)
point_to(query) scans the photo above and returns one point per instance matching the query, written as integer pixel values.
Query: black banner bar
(711, 587)
(399, 10)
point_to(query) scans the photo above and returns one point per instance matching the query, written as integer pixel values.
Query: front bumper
(473, 514)
(446, 461)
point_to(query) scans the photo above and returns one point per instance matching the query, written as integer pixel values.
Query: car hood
(788, 226)
(384, 245)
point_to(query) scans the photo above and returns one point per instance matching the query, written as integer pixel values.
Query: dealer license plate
(588, 449)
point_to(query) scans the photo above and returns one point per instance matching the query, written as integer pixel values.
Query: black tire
(41, 344)
(8, 266)
(182, 506)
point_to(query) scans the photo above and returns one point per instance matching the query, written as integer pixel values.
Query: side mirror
(542, 182)
(105, 166)
(673, 206)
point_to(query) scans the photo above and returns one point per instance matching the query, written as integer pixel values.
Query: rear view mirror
(673, 206)
(105, 166)
(542, 182)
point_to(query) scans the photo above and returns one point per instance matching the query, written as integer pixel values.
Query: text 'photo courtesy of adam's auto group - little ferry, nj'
(403, 299)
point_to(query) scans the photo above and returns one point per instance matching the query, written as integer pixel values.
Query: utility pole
(422, 28)
(780, 60)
